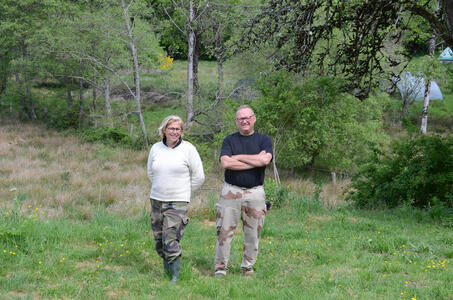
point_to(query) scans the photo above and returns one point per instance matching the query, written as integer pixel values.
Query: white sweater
(175, 173)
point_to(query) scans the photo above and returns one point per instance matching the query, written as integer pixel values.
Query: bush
(417, 172)
(110, 136)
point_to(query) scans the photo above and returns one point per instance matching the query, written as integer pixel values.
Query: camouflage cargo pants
(168, 221)
(234, 200)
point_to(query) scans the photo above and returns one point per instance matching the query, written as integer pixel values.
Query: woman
(175, 171)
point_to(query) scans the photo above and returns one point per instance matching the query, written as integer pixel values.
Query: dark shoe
(174, 268)
(247, 272)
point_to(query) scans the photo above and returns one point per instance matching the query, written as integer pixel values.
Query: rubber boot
(174, 268)
(166, 267)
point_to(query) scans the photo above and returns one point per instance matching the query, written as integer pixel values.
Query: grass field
(74, 225)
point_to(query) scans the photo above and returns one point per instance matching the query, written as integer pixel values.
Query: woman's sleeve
(150, 164)
(196, 169)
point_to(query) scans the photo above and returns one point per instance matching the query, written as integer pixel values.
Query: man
(244, 156)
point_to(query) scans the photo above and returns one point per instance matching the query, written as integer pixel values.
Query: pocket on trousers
(185, 219)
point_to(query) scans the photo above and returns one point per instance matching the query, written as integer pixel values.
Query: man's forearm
(256, 160)
(230, 163)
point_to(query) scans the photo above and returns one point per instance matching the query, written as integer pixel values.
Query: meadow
(74, 224)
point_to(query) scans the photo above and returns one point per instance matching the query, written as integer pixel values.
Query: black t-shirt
(240, 144)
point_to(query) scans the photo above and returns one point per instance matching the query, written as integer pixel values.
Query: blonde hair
(170, 120)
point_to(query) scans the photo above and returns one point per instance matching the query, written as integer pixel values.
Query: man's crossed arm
(245, 161)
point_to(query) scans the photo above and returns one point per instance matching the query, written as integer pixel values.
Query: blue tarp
(413, 88)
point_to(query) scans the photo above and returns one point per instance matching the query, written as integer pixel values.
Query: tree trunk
(4, 65)
(68, 93)
(334, 177)
(21, 94)
(81, 99)
(108, 109)
(218, 55)
(136, 74)
(432, 47)
(449, 12)
(274, 165)
(95, 90)
(190, 77)
(196, 56)
(31, 106)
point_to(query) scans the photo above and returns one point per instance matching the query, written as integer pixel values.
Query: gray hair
(244, 106)
(169, 120)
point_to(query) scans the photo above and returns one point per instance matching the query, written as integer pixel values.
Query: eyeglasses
(245, 118)
(173, 129)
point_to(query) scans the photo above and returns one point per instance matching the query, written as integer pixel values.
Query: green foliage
(417, 172)
(427, 67)
(277, 195)
(110, 136)
(310, 118)
(205, 150)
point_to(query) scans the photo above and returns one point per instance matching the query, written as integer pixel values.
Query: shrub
(417, 172)
(110, 136)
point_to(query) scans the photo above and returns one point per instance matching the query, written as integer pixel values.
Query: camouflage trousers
(168, 221)
(235, 203)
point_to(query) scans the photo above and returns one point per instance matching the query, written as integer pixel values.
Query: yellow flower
(40, 262)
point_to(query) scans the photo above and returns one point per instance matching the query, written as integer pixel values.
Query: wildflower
(165, 61)
(7, 213)
(13, 189)
(4, 251)
(122, 245)
(40, 262)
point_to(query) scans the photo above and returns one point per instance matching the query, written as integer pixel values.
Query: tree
(21, 21)
(340, 38)
(137, 94)
(432, 46)
(191, 13)
(311, 119)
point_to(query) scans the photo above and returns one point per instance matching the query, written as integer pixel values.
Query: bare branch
(171, 19)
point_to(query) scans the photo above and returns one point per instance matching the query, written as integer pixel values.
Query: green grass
(306, 252)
